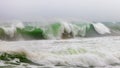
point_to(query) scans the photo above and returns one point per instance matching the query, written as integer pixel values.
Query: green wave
(32, 32)
(2, 33)
(52, 31)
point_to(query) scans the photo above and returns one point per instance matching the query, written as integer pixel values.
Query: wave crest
(58, 30)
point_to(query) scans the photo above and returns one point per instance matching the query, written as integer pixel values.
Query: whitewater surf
(60, 45)
(57, 30)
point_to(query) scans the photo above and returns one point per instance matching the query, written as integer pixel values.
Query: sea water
(45, 46)
(99, 52)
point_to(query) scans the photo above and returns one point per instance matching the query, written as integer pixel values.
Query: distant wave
(57, 30)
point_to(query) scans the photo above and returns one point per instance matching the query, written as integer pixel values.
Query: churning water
(60, 45)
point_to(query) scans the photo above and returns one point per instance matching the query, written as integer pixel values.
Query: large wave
(57, 30)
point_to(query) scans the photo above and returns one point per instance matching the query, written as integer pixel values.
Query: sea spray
(85, 52)
(53, 31)
(57, 30)
(101, 29)
(9, 31)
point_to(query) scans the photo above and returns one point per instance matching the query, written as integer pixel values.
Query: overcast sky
(93, 10)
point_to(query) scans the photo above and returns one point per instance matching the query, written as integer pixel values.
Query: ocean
(60, 45)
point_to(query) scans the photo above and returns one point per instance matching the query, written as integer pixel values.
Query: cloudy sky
(93, 10)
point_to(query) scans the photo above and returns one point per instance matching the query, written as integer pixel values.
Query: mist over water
(34, 10)
(59, 34)
(53, 30)
(98, 52)
(59, 44)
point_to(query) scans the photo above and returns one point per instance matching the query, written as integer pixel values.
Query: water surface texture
(60, 45)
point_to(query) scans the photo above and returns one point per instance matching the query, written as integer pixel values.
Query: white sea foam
(67, 26)
(98, 52)
(10, 31)
(18, 25)
(54, 31)
(101, 29)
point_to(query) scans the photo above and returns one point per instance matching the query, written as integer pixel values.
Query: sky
(31, 10)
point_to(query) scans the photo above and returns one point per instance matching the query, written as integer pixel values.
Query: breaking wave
(57, 30)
